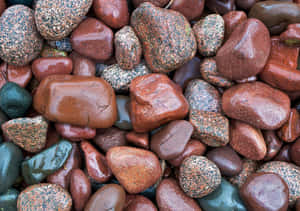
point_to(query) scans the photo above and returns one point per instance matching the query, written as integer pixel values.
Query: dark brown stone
(291, 129)
(273, 144)
(137, 203)
(191, 9)
(220, 6)
(232, 19)
(159, 3)
(284, 154)
(295, 152)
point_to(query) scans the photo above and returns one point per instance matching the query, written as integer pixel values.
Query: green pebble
(37, 168)
(14, 100)
(224, 198)
(10, 160)
(123, 122)
(8, 200)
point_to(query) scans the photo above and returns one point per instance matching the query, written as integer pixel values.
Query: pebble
(191, 9)
(245, 4)
(291, 36)
(294, 152)
(10, 161)
(82, 65)
(210, 127)
(257, 104)
(93, 39)
(220, 6)
(169, 196)
(138, 202)
(209, 33)
(75, 133)
(247, 49)
(123, 121)
(273, 143)
(28, 133)
(289, 172)
(291, 129)
(138, 139)
(56, 19)
(8, 200)
(52, 52)
(61, 45)
(135, 169)
(155, 100)
(20, 41)
(283, 154)
(128, 49)
(202, 96)
(120, 79)
(76, 100)
(232, 19)
(157, 24)
(199, 176)
(14, 100)
(111, 196)
(170, 141)
(158, 3)
(227, 160)
(36, 197)
(2, 6)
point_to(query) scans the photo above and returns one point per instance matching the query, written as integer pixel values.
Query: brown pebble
(295, 152)
(82, 65)
(138, 139)
(284, 154)
(291, 36)
(159, 3)
(232, 19)
(273, 144)
(75, 133)
(138, 202)
(291, 129)
(191, 9)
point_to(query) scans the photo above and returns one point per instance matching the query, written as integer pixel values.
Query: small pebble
(138, 139)
(62, 45)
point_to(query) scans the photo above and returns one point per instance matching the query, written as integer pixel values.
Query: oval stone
(137, 203)
(232, 19)
(191, 9)
(220, 6)
(273, 144)
(82, 65)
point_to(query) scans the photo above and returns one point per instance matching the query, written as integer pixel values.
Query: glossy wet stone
(44, 67)
(294, 152)
(10, 162)
(8, 200)
(135, 169)
(28, 133)
(75, 133)
(191, 9)
(80, 188)
(291, 36)
(38, 167)
(291, 129)
(82, 65)
(209, 33)
(110, 196)
(95, 163)
(226, 159)
(36, 197)
(170, 141)
(224, 198)
(159, 3)
(138, 202)
(245, 4)
(276, 15)
(247, 49)
(138, 139)
(273, 144)
(65, 13)
(169, 196)
(250, 100)
(210, 127)
(232, 19)
(220, 6)
(93, 39)
(77, 100)
(284, 154)
(198, 176)
(21, 43)
(153, 24)
(155, 100)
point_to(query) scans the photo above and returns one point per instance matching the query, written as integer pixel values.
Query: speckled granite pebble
(55, 19)
(209, 73)
(20, 42)
(199, 176)
(120, 79)
(210, 34)
(62, 45)
(210, 127)
(44, 196)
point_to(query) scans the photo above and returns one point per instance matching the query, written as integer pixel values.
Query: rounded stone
(273, 144)
(158, 3)
(138, 202)
(220, 6)
(199, 176)
(191, 9)
(291, 36)
(20, 41)
(82, 65)
(232, 19)
(75, 133)
(138, 139)
(295, 152)
(291, 129)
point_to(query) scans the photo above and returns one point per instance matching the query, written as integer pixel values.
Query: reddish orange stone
(138, 139)
(292, 35)
(291, 129)
(232, 19)
(75, 133)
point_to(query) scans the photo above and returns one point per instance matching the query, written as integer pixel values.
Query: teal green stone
(14, 100)
(123, 122)
(37, 168)
(25, 2)
(8, 200)
(10, 160)
(3, 118)
(224, 198)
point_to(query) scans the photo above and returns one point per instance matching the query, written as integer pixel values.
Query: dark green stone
(8, 200)
(37, 168)
(123, 122)
(14, 100)
(224, 198)
(10, 160)
(25, 2)
(3, 118)
(150, 193)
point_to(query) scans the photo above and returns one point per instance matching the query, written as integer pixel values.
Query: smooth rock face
(220, 6)
(245, 4)
(77, 100)
(246, 51)
(257, 104)
(22, 43)
(265, 191)
(155, 100)
(153, 24)
(291, 36)
(138, 202)
(232, 19)
(93, 39)
(198, 176)
(8, 200)
(110, 196)
(64, 13)
(283, 154)
(75, 133)
(291, 129)
(273, 144)
(191, 9)
(295, 152)
(36, 197)
(135, 169)
(226, 159)
(171, 140)
(138, 139)
(169, 196)
(82, 65)
(158, 3)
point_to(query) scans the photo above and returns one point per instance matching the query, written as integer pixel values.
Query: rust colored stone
(291, 129)
(75, 133)
(191, 9)
(232, 19)
(138, 202)
(220, 6)
(82, 65)
(291, 36)
(138, 139)
(273, 144)
(159, 3)
(284, 154)
(2, 6)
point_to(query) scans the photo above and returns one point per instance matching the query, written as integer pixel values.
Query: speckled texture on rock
(210, 127)
(20, 42)
(166, 35)
(199, 176)
(210, 34)
(44, 196)
(62, 45)
(28, 133)
(290, 173)
(55, 19)
(202, 96)
(120, 79)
